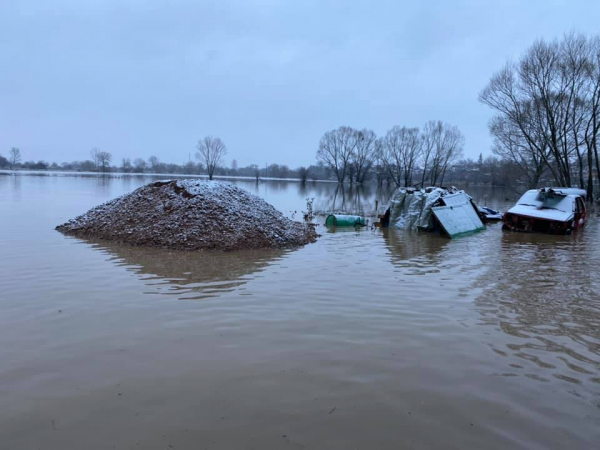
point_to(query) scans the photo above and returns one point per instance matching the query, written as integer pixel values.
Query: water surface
(365, 339)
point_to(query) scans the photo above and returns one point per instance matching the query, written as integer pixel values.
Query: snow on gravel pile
(191, 215)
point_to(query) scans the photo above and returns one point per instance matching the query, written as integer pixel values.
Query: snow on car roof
(566, 191)
(545, 205)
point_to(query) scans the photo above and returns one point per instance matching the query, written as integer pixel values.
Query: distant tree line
(211, 152)
(490, 170)
(547, 107)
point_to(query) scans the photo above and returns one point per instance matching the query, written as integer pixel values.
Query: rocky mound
(191, 215)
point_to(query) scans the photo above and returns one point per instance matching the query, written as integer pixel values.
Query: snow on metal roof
(414, 209)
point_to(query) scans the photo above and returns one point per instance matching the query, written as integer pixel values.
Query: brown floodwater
(366, 339)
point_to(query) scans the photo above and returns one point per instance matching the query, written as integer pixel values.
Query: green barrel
(344, 220)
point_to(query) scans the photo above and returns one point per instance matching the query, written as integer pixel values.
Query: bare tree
(303, 173)
(154, 163)
(4, 162)
(94, 154)
(510, 144)
(103, 160)
(211, 151)
(575, 60)
(389, 155)
(411, 153)
(126, 165)
(14, 157)
(549, 101)
(412, 143)
(256, 172)
(516, 129)
(592, 112)
(428, 139)
(363, 156)
(140, 165)
(191, 167)
(542, 90)
(442, 146)
(400, 149)
(336, 149)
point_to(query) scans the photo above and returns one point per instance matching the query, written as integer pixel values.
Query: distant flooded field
(370, 339)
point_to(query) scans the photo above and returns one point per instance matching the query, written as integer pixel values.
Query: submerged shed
(447, 211)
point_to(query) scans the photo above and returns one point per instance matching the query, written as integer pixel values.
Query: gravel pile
(191, 215)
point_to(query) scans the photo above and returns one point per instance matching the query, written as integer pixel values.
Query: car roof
(569, 193)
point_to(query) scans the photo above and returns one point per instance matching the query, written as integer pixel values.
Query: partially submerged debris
(345, 220)
(489, 214)
(548, 210)
(191, 215)
(447, 211)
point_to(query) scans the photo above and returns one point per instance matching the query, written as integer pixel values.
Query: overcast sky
(141, 77)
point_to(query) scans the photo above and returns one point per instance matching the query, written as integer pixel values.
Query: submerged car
(548, 210)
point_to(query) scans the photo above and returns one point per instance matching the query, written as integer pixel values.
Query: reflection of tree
(329, 197)
(189, 275)
(339, 196)
(303, 190)
(419, 252)
(15, 181)
(103, 183)
(349, 198)
(542, 292)
(360, 199)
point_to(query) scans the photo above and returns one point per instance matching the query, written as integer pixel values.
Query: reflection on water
(10, 184)
(189, 275)
(419, 252)
(103, 184)
(352, 199)
(543, 292)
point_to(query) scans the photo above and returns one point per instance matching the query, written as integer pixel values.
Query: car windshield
(560, 202)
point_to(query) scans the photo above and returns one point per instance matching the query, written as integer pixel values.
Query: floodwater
(370, 339)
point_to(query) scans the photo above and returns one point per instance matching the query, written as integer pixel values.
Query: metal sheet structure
(458, 219)
(446, 210)
(460, 198)
(411, 209)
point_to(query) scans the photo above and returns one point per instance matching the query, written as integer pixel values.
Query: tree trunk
(535, 180)
(590, 181)
(580, 161)
(595, 144)
(443, 175)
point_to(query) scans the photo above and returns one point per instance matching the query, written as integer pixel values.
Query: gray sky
(141, 77)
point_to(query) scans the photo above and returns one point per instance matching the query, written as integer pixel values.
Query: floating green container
(344, 220)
